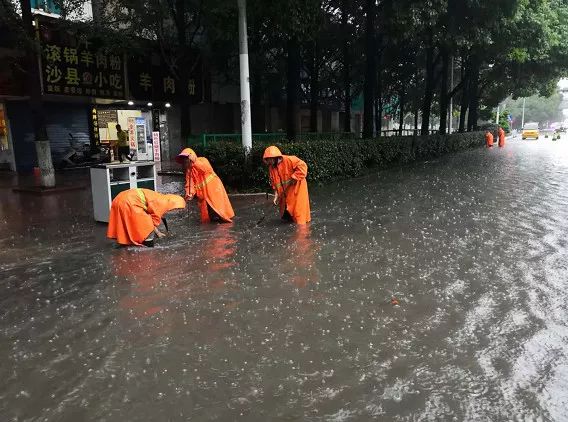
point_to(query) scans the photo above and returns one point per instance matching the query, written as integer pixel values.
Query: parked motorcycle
(82, 154)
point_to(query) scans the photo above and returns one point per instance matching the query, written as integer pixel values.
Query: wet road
(276, 322)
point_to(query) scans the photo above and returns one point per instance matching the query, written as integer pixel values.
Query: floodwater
(273, 322)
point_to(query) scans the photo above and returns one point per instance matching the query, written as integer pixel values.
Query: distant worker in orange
(501, 134)
(135, 215)
(288, 180)
(201, 181)
(488, 139)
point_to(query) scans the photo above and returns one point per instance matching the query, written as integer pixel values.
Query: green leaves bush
(332, 159)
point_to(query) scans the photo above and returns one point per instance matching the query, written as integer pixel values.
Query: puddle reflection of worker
(153, 286)
(302, 252)
(218, 258)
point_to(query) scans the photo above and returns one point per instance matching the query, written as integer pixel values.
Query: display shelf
(108, 180)
(145, 172)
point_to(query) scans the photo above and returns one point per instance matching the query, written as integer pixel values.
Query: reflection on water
(302, 251)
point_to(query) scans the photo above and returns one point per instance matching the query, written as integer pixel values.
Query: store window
(136, 122)
(6, 148)
(4, 141)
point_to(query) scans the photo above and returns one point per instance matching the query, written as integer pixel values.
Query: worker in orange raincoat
(488, 139)
(201, 181)
(288, 179)
(135, 215)
(501, 134)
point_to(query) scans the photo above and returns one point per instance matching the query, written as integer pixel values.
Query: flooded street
(276, 322)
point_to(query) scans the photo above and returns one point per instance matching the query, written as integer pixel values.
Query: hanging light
(168, 105)
(130, 103)
(149, 104)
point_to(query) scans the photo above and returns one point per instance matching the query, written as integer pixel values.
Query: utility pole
(497, 117)
(246, 127)
(523, 116)
(451, 119)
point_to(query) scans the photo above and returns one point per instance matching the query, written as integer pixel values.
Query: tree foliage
(313, 53)
(537, 109)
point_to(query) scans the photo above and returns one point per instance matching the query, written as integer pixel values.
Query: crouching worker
(202, 182)
(135, 215)
(287, 175)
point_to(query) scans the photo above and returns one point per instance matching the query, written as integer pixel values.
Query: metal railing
(280, 137)
(265, 138)
(407, 132)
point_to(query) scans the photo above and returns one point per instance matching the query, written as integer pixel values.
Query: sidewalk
(169, 168)
(51, 217)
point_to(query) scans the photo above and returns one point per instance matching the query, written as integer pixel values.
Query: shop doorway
(7, 159)
(137, 123)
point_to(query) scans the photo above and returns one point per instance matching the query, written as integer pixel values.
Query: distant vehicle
(530, 130)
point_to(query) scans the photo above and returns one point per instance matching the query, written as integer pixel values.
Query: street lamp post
(246, 128)
(523, 115)
(450, 127)
(497, 117)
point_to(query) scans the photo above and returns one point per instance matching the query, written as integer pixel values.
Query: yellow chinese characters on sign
(71, 67)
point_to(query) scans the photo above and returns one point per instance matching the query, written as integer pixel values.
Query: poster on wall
(156, 144)
(132, 132)
(107, 116)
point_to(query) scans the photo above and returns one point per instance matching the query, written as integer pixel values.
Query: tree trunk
(463, 113)
(258, 124)
(401, 113)
(380, 117)
(314, 89)
(444, 99)
(370, 69)
(42, 146)
(473, 95)
(184, 100)
(184, 120)
(464, 97)
(379, 94)
(416, 111)
(292, 89)
(428, 91)
(98, 9)
(346, 65)
(377, 122)
(183, 77)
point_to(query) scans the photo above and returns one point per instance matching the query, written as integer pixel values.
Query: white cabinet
(108, 180)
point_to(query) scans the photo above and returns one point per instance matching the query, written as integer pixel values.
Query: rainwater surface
(264, 321)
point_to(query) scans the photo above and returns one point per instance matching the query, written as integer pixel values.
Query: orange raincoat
(201, 181)
(488, 139)
(288, 179)
(501, 137)
(135, 212)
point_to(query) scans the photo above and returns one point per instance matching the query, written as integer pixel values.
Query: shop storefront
(88, 88)
(141, 123)
(6, 147)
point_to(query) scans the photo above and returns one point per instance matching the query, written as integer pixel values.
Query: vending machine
(138, 139)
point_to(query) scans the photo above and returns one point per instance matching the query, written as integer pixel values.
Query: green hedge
(332, 159)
